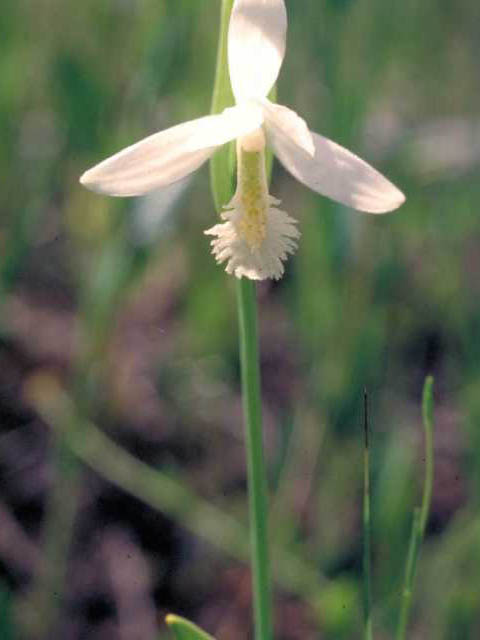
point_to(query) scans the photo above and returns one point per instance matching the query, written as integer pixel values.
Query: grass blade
(185, 630)
(421, 513)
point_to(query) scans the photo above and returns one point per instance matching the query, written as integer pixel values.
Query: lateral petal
(168, 156)
(338, 174)
(285, 123)
(256, 46)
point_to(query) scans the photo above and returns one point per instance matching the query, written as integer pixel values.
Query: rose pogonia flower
(256, 236)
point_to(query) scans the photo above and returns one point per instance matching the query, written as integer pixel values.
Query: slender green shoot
(427, 413)
(420, 514)
(257, 483)
(410, 571)
(367, 560)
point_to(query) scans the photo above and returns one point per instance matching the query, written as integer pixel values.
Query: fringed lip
(230, 244)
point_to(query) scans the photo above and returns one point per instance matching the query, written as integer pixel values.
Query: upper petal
(168, 156)
(256, 46)
(338, 174)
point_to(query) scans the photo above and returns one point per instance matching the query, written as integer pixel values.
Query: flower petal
(283, 122)
(338, 174)
(170, 155)
(256, 46)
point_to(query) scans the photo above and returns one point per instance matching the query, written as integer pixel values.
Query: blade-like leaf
(421, 513)
(185, 630)
(222, 165)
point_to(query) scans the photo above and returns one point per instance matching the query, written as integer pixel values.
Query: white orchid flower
(257, 236)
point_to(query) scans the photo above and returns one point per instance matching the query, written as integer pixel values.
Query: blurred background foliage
(121, 445)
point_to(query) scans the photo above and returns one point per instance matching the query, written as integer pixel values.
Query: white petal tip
(89, 181)
(86, 179)
(389, 201)
(93, 183)
(398, 201)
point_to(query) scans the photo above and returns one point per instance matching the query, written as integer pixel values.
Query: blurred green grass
(375, 302)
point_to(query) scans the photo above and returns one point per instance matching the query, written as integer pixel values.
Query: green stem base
(257, 481)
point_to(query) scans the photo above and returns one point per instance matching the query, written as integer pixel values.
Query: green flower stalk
(367, 554)
(257, 477)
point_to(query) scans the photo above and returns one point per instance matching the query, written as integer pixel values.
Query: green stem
(367, 570)
(409, 577)
(427, 414)
(257, 481)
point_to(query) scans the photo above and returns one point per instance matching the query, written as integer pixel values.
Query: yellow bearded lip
(257, 237)
(252, 195)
